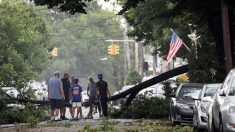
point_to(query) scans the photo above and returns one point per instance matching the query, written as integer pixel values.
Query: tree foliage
(133, 77)
(71, 6)
(24, 44)
(80, 40)
(152, 20)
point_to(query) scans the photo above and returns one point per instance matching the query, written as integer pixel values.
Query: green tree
(133, 77)
(80, 40)
(152, 21)
(24, 44)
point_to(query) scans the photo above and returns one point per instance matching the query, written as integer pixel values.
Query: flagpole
(183, 43)
(186, 47)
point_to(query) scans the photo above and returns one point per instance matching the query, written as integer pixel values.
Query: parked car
(182, 103)
(223, 107)
(209, 115)
(202, 105)
(156, 90)
(39, 88)
(11, 91)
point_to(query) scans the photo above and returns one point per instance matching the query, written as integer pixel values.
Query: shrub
(12, 115)
(33, 121)
(143, 107)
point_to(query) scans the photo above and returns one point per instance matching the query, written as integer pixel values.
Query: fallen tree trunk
(135, 90)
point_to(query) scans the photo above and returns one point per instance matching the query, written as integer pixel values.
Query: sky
(111, 5)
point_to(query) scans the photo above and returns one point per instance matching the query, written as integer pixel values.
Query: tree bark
(226, 35)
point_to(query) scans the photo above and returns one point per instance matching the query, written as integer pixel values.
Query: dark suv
(182, 103)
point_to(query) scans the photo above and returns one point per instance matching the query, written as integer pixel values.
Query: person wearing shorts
(56, 95)
(66, 88)
(76, 91)
(91, 92)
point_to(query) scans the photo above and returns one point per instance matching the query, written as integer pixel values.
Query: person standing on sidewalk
(91, 92)
(76, 91)
(103, 93)
(72, 80)
(66, 88)
(56, 95)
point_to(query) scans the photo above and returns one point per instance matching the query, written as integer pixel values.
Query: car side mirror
(222, 92)
(172, 95)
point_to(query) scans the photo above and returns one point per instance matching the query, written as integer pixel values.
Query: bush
(12, 115)
(33, 121)
(143, 107)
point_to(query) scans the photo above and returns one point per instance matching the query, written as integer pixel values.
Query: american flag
(175, 44)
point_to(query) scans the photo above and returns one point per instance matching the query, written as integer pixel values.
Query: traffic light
(113, 49)
(116, 49)
(54, 52)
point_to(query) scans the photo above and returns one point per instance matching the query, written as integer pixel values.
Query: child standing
(76, 91)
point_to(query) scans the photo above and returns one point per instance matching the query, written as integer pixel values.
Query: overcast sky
(111, 5)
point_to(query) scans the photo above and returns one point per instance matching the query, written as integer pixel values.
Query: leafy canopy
(24, 43)
(80, 40)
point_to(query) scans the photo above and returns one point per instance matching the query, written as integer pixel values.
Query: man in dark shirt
(66, 88)
(104, 94)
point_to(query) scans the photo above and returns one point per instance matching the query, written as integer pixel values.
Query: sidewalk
(70, 126)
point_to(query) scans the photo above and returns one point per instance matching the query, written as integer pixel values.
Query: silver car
(202, 105)
(223, 107)
(209, 116)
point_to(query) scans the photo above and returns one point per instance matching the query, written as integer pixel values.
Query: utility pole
(136, 56)
(127, 48)
(226, 35)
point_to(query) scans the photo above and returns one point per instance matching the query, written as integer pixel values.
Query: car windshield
(190, 91)
(210, 91)
(232, 87)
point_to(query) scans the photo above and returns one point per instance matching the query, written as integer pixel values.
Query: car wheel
(221, 128)
(197, 129)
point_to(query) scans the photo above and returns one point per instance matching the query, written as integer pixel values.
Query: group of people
(67, 92)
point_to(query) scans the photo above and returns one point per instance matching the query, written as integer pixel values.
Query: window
(232, 87)
(190, 91)
(210, 91)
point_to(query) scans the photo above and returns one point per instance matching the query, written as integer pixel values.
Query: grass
(141, 125)
(137, 126)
